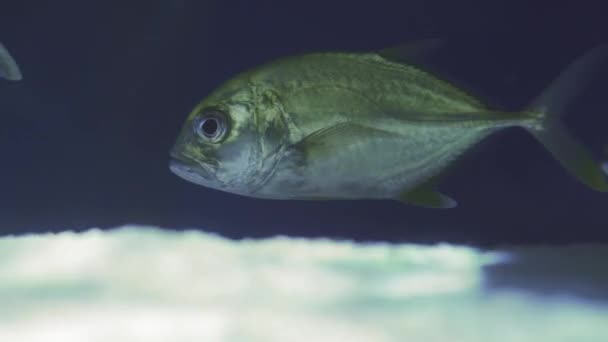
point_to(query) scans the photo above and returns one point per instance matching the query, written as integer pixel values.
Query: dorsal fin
(417, 52)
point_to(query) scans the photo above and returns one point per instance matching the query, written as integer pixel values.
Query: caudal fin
(8, 66)
(551, 105)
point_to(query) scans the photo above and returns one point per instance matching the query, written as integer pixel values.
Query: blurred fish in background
(8, 67)
(605, 163)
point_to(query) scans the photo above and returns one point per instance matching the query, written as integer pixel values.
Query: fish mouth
(189, 169)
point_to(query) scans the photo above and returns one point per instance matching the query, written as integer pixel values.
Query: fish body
(350, 126)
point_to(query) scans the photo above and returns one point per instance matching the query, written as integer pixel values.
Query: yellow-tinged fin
(426, 196)
(414, 52)
(420, 55)
(549, 107)
(8, 67)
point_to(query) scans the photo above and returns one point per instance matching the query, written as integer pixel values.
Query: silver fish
(359, 126)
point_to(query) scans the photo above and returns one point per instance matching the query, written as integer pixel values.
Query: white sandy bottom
(143, 284)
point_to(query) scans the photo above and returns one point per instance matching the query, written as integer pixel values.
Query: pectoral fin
(330, 142)
(425, 196)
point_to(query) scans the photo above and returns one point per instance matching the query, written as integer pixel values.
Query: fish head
(232, 140)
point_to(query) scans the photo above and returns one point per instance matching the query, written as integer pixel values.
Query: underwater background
(99, 241)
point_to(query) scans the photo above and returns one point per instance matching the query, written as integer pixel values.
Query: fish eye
(212, 126)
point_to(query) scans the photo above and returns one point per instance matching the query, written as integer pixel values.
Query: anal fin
(425, 196)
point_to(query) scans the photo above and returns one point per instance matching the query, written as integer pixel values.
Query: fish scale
(400, 85)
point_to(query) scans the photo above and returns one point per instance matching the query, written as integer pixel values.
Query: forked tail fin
(550, 131)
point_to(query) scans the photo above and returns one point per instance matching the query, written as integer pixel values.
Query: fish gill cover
(147, 284)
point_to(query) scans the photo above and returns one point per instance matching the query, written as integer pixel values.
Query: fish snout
(189, 169)
(190, 172)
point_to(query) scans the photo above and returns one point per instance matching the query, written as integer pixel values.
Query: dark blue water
(107, 84)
